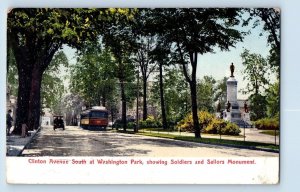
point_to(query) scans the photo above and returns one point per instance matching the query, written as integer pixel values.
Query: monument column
(232, 111)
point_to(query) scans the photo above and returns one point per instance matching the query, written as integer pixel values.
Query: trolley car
(95, 118)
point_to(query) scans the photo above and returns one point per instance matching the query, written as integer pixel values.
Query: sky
(217, 64)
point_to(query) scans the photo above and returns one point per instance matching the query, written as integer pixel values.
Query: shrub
(150, 122)
(230, 129)
(267, 123)
(131, 125)
(209, 124)
(215, 126)
(187, 125)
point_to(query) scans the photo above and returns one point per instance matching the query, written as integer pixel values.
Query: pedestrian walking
(9, 121)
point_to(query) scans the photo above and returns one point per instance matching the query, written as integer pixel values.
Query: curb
(15, 152)
(226, 145)
(29, 141)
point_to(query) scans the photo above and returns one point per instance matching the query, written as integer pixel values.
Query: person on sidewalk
(9, 121)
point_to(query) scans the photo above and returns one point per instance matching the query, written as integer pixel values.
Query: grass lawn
(254, 145)
(270, 132)
(226, 142)
(158, 132)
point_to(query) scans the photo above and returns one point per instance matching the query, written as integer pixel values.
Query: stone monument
(232, 112)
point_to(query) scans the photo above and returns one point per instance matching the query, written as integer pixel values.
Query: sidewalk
(15, 144)
(252, 134)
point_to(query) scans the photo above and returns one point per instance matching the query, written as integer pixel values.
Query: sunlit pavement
(15, 144)
(75, 141)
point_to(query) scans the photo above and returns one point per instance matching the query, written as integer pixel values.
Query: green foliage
(176, 93)
(195, 32)
(267, 124)
(12, 73)
(215, 126)
(150, 122)
(220, 92)
(231, 129)
(258, 107)
(205, 94)
(273, 106)
(256, 72)
(52, 89)
(187, 124)
(209, 124)
(217, 141)
(270, 18)
(92, 76)
(131, 125)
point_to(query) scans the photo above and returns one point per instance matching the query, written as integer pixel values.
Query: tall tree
(161, 55)
(92, 76)
(145, 45)
(270, 18)
(52, 88)
(35, 35)
(257, 73)
(120, 40)
(196, 32)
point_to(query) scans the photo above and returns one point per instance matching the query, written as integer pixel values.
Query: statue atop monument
(231, 70)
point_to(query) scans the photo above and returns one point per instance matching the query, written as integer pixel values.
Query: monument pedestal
(234, 114)
(246, 117)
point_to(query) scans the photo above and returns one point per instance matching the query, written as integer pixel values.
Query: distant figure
(219, 107)
(246, 107)
(228, 106)
(231, 70)
(9, 120)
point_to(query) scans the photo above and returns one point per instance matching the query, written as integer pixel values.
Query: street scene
(143, 96)
(75, 141)
(197, 82)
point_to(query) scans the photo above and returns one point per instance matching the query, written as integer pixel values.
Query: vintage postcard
(143, 96)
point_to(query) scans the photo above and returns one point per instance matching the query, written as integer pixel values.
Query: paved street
(75, 141)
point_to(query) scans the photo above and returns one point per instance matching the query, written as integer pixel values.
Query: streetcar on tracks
(95, 118)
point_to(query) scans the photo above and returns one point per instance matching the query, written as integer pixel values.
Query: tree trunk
(104, 100)
(24, 66)
(145, 111)
(162, 99)
(195, 108)
(193, 86)
(35, 98)
(123, 98)
(23, 98)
